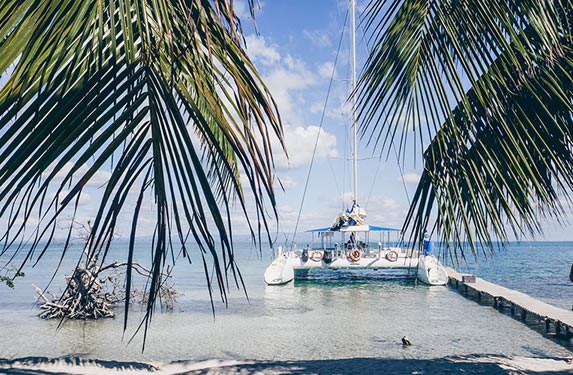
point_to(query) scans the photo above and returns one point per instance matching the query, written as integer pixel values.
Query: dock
(521, 306)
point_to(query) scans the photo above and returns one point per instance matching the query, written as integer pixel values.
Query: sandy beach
(478, 364)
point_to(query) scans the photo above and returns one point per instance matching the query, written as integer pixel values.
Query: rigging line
(373, 184)
(338, 188)
(369, 49)
(401, 174)
(346, 165)
(319, 128)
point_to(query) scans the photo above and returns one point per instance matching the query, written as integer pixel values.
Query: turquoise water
(540, 269)
(343, 315)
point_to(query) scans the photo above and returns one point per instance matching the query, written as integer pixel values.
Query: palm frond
(160, 93)
(487, 86)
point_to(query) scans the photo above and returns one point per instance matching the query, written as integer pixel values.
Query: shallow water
(326, 317)
(540, 269)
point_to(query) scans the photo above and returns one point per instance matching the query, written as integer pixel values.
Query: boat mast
(353, 101)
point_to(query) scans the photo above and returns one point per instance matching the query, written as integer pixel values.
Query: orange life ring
(355, 254)
(316, 256)
(392, 256)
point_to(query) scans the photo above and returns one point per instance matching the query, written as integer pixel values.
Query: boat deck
(557, 320)
(393, 258)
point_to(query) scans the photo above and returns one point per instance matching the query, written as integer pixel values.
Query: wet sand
(476, 364)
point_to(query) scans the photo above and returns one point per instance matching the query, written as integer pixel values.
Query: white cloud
(325, 69)
(285, 81)
(286, 181)
(288, 79)
(289, 216)
(385, 212)
(242, 11)
(318, 38)
(411, 178)
(85, 198)
(98, 179)
(259, 50)
(300, 142)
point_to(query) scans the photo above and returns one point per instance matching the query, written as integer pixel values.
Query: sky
(294, 48)
(294, 51)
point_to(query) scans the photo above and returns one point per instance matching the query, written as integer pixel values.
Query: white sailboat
(346, 244)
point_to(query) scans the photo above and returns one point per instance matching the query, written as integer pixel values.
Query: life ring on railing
(392, 256)
(316, 256)
(354, 254)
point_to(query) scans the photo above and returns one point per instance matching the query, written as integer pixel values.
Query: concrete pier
(521, 306)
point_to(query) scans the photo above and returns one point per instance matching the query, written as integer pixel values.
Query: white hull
(431, 271)
(282, 269)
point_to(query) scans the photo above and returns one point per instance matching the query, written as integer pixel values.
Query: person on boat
(352, 242)
(304, 255)
(327, 256)
(427, 244)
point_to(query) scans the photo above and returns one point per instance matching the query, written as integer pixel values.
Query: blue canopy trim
(372, 228)
(383, 229)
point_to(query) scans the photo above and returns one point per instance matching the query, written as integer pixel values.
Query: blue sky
(294, 51)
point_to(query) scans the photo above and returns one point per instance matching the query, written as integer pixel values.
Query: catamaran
(346, 243)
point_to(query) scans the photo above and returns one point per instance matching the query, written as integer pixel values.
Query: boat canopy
(355, 228)
(352, 220)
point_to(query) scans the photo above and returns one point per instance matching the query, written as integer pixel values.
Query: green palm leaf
(160, 93)
(486, 85)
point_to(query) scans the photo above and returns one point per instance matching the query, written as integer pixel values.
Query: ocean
(347, 314)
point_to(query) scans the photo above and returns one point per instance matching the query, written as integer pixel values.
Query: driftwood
(92, 291)
(91, 294)
(85, 297)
